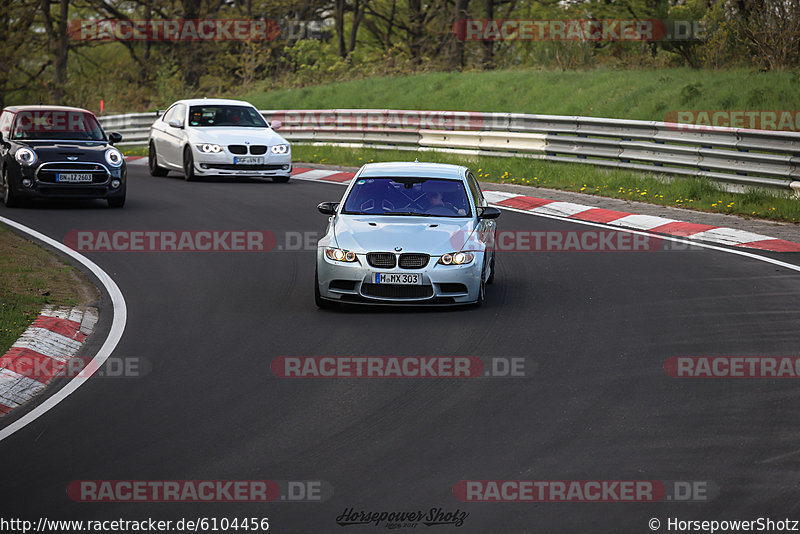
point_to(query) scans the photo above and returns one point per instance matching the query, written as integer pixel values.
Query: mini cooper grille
(413, 261)
(381, 260)
(257, 150)
(237, 149)
(48, 171)
(395, 291)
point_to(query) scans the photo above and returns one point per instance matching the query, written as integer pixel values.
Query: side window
(475, 189)
(6, 119)
(175, 112)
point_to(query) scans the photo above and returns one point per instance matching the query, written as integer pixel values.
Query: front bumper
(43, 186)
(441, 284)
(223, 164)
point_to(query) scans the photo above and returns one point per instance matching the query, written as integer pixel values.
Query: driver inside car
(435, 200)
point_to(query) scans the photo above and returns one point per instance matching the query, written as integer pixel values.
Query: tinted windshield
(243, 116)
(431, 197)
(57, 125)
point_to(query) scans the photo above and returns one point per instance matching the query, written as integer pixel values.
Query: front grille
(413, 260)
(47, 172)
(239, 167)
(257, 150)
(381, 260)
(237, 149)
(396, 291)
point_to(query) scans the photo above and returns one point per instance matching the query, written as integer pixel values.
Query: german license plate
(409, 279)
(73, 177)
(248, 160)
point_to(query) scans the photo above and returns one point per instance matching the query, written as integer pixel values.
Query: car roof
(212, 102)
(413, 169)
(39, 107)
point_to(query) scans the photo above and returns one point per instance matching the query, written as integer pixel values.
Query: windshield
(432, 197)
(243, 116)
(58, 125)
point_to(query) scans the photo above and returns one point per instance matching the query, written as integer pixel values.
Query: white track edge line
(114, 335)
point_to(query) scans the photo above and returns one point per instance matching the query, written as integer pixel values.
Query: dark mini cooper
(58, 152)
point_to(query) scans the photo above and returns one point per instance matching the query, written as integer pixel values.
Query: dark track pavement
(595, 329)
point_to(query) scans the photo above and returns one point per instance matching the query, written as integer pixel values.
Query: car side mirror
(114, 137)
(176, 123)
(275, 124)
(328, 208)
(488, 212)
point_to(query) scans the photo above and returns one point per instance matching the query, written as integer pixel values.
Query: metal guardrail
(743, 157)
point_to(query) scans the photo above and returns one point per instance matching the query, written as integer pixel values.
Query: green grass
(689, 193)
(626, 94)
(31, 278)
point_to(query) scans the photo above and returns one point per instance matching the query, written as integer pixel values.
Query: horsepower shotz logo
(407, 519)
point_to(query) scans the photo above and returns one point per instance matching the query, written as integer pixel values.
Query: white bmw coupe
(214, 137)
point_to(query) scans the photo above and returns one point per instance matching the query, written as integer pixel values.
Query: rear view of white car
(215, 137)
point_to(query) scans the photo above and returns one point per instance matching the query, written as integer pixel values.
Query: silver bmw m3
(407, 233)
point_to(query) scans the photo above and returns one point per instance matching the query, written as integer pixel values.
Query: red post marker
(101, 106)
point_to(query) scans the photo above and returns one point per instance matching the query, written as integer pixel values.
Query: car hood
(56, 151)
(431, 235)
(235, 136)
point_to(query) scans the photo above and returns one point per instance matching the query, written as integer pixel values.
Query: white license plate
(71, 177)
(248, 160)
(409, 279)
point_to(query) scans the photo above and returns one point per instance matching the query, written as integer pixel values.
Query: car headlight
(25, 156)
(279, 149)
(114, 157)
(456, 258)
(209, 148)
(340, 254)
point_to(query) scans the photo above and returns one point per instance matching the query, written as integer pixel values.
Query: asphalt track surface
(594, 328)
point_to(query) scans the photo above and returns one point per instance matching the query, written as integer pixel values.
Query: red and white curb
(569, 210)
(42, 353)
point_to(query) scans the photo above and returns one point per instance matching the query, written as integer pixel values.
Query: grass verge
(33, 277)
(690, 193)
(625, 94)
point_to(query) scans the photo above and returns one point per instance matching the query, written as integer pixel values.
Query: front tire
(280, 179)
(481, 290)
(188, 165)
(491, 269)
(116, 202)
(9, 199)
(152, 162)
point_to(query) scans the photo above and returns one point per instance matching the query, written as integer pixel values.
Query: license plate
(398, 278)
(71, 177)
(248, 160)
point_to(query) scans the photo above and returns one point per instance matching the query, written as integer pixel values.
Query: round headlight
(25, 156)
(338, 254)
(350, 256)
(459, 258)
(447, 259)
(280, 149)
(114, 157)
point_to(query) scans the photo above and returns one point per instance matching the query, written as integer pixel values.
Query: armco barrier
(732, 155)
